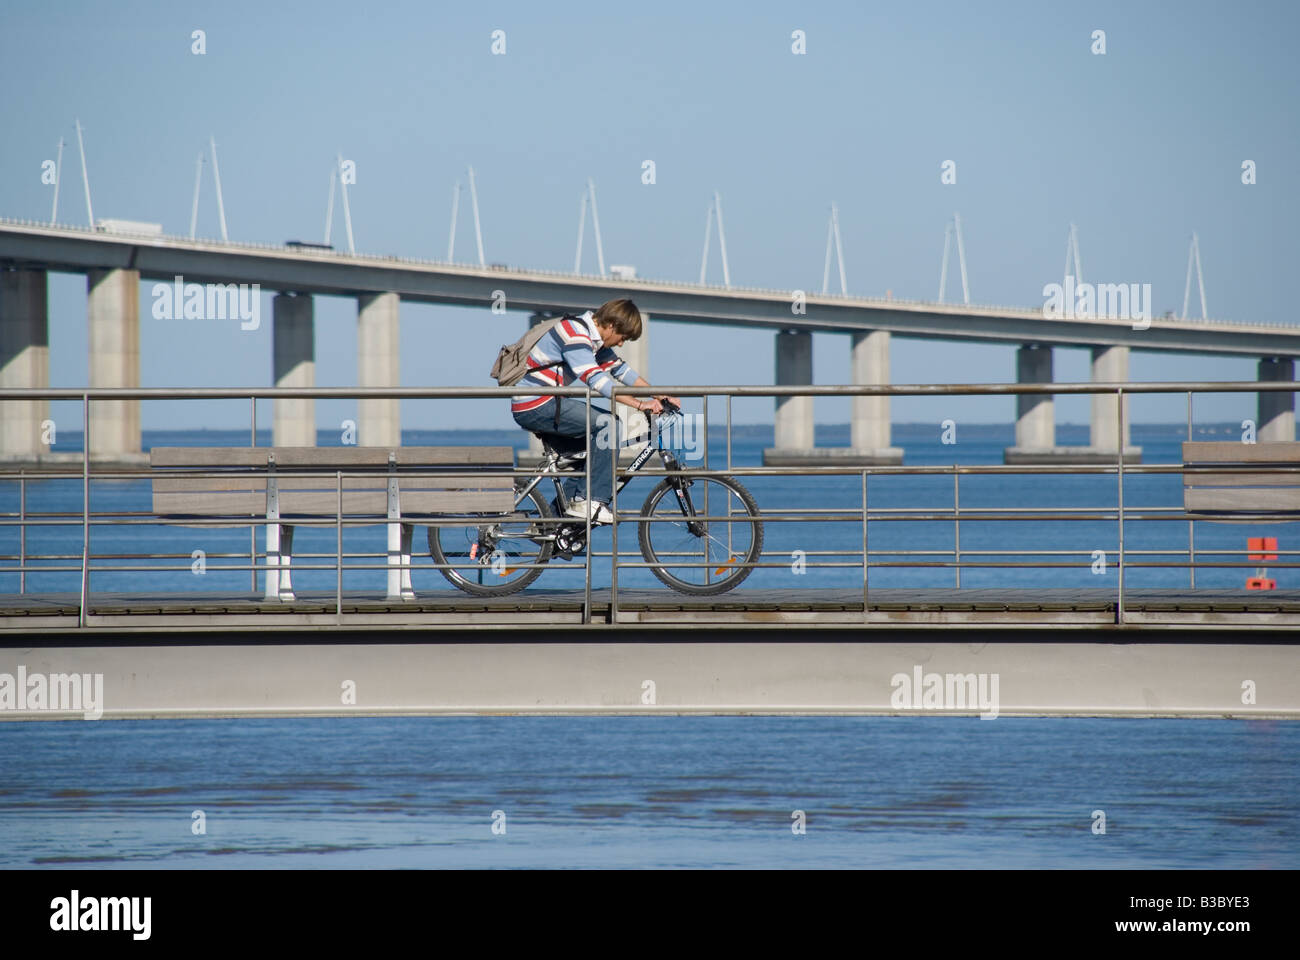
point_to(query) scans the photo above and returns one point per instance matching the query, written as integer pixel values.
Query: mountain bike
(698, 534)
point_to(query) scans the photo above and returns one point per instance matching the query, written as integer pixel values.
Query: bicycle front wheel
(697, 532)
(496, 557)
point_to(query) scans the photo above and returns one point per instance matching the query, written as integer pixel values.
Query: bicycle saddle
(563, 457)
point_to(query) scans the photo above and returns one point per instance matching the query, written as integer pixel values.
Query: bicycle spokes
(701, 533)
(499, 555)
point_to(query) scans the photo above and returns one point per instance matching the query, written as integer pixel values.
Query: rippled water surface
(651, 792)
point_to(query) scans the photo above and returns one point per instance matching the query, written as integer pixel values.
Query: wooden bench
(395, 486)
(1239, 482)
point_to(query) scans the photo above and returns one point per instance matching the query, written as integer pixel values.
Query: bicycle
(697, 553)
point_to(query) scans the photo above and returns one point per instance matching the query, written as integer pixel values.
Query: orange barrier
(1260, 547)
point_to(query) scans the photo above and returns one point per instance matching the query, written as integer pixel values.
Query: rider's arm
(620, 369)
(579, 355)
(651, 403)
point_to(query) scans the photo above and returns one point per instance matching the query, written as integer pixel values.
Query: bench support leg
(408, 534)
(400, 536)
(279, 553)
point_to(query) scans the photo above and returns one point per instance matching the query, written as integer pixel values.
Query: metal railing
(862, 515)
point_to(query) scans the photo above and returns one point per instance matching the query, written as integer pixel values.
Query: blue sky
(1138, 147)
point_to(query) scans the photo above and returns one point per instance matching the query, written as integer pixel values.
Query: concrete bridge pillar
(1276, 410)
(293, 361)
(793, 434)
(869, 429)
(24, 362)
(1035, 413)
(1110, 365)
(379, 422)
(113, 314)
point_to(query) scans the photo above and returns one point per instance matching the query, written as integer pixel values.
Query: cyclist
(581, 348)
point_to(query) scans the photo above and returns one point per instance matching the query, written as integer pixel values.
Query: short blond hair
(621, 316)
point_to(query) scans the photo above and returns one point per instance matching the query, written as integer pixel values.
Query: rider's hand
(652, 406)
(675, 401)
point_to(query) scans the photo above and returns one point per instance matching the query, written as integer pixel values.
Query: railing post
(252, 531)
(728, 433)
(22, 532)
(613, 503)
(338, 550)
(1191, 524)
(705, 399)
(864, 547)
(1119, 604)
(85, 507)
(731, 546)
(956, 525)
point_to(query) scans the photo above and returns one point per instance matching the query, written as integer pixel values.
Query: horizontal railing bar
(882, 515)
(680, 390)
(813, 512)
(819, 470)
(1081, 552)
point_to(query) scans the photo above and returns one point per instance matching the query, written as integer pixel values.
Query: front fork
(681, 487)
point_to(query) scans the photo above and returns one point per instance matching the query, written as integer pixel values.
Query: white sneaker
(580, 509)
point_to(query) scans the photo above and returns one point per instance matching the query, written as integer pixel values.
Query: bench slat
(1244, 478)
(325, 503)
(230, 504)
(1255, 500)
(208, 456)
(332, 457)
(219, 486)
(458, 501)
(1211, 453)
(405, 456)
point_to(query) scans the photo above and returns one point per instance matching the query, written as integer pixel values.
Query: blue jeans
(569, 435)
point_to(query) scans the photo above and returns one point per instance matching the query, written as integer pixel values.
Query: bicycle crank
(570, 540)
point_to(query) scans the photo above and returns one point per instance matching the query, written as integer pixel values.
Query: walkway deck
(1026, 608)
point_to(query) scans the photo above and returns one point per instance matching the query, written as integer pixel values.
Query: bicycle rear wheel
(700, 557)
(491, 559)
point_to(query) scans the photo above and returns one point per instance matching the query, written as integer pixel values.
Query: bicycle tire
(659, 569)
(460, 581)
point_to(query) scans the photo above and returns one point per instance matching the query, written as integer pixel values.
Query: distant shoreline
(748, 434)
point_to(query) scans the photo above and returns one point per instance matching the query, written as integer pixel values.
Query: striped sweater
(576, 341)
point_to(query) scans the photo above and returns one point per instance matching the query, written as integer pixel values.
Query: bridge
(1141, 611)
(116, 264)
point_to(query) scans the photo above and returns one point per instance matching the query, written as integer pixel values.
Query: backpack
(512, 361)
